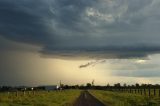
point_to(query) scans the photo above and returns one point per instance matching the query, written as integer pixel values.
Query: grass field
(40, 98)
(125, 99)
(66, 98)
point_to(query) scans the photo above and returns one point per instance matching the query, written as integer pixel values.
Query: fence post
(33, 92)
(141, 91)
(16, 93)
(149, 91)
(24, 93)
(159, 93)
(28, 92)
(144, 91)
(8, 93)
(135, 91)
(154, 92)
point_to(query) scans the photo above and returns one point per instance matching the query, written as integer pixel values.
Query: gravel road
(86, 99)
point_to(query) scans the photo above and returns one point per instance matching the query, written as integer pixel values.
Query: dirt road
(86, 99)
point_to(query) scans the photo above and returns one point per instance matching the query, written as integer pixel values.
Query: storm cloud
(85, 29)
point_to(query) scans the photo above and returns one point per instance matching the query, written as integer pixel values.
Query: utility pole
(93, 82)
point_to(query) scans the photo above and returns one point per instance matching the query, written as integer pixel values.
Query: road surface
(86, 99)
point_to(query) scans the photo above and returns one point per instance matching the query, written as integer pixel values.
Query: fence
(141, 91)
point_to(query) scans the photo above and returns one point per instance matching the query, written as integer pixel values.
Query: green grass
(125, 99)
(40, 98)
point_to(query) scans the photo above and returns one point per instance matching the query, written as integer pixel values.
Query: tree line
(86, 86)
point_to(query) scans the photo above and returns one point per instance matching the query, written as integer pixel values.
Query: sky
(77, 41)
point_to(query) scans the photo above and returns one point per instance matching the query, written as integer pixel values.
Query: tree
(117, 85)
(137, 85)
(88, 85)
(108, 85)
(124, 85)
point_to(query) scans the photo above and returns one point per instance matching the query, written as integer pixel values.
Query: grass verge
(40, 98)
(125, 99)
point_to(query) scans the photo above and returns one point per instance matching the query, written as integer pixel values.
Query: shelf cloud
(44, 41)
(86, 29)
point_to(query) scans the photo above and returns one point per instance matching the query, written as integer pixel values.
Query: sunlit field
(67, 98)
(125, 99)
(39, 98)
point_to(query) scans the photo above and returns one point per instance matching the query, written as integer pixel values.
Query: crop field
(39, 98)
(111, 98)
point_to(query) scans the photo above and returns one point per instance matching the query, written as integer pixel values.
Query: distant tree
(124, 85)
(137, 85)
(76, 86)
(88, 85)
(66, 87)
(143, 85)
(117, 85)
(81, 86)
(108, 85)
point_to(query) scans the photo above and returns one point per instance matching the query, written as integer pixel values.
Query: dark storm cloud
(24, 21)
(80, 28)
(110, 52)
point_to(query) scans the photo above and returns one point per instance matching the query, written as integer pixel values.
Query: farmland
(68, 97)
(39, 98)
(125, 99)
